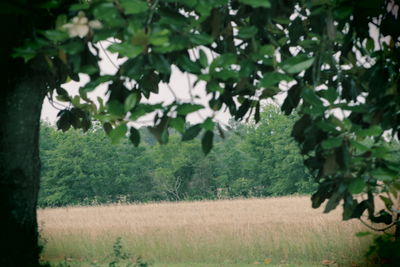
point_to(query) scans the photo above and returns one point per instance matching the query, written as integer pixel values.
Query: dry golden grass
(285, 229)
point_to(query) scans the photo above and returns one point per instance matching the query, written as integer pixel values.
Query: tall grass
(285, 229)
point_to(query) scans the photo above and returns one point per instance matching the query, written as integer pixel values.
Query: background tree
(279, 168)
(85, 168)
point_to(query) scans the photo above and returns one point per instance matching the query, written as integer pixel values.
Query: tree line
(250, 161)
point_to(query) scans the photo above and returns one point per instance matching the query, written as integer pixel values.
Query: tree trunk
(20, 106)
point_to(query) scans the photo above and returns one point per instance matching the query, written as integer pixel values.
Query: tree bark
(20, 106)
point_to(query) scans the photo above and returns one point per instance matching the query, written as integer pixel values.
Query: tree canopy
(252, 161)
(337, 62)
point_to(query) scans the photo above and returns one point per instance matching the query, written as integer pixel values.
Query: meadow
(282, 231)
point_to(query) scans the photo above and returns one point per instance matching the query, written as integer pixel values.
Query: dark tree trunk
(20, 107)
(397, 227)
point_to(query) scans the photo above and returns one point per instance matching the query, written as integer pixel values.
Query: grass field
(235, 233)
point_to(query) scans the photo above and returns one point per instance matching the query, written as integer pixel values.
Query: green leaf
(134, 136)
(311, 97)
(374, 130)
(330, 94)
(126, 49)
(48, 4)
(103, 34)
(296, 30)
(388, 202)
(257, 112)
(327, 127)
(134, 6)
(90, 86)
(207, 142)
(243, 109)
(383, 175)
(356, 186)
(247, 32)
(330, 165)
(186, 108)
(272, 79)
(160, 40)
(359, 209)
(332, 143)
(164, 137)
(370, 45)
(108, 15)
(27, 52)
(343, 12)
(343, 156)
(89, 69)
(223, 61)
(358, 108)
(203, 60)
(191, 132)
(267, 50)
(178, 124)
(107, 127)
(226, 74)
(320, 196)
(292, 99)
(208, 125)
(160, 63)
(188, 65)
(133, 68)
(381, 152)
(118, 133)
(149, 83)
(333, 202)
(73, 47)
(297, 64)
(64, 121)
(201, 39)
(359, 146)
(130, 102)
(214, 87)
(116, 108)
(56, 35)
(256, 3)
(247, 68)
(384, 217)
(79, 7)
(61, 21)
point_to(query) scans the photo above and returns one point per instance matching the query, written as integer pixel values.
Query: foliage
(67, 178)
(240, 165)
(384, 251)
(120, 256)
(279, 163)
(343, 80)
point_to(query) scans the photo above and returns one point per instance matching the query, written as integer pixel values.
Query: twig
(376, 229)
(172, 92)
(152, 8)
(191, 95)
(52, 102)
(108, 57)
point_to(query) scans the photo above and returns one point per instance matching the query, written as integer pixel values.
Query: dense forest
(250, 160)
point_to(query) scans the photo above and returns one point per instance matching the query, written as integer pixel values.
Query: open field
(235, 233)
